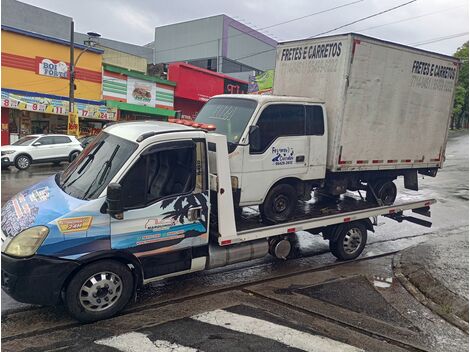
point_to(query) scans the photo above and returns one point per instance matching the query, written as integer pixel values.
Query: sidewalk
(436, 273)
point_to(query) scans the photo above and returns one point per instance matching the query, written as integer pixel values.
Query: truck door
(284, 151)
(165, 218)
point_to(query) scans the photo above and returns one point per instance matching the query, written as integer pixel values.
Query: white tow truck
(150, 200)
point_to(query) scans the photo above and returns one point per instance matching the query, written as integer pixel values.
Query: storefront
(35, 86)
(195, 85)
(137, 96)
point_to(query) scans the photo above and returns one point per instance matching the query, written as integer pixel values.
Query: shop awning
(140, 108)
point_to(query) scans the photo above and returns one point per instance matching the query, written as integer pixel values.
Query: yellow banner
(72, 125)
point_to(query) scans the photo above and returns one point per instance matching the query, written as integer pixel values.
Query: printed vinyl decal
(163, 225)
(283, 155)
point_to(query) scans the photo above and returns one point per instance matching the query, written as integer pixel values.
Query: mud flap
(411, 180)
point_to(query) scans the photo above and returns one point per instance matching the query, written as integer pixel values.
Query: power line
(410, 18)
(439, 39)
(364, 18)
(332, 30)
(263, 28)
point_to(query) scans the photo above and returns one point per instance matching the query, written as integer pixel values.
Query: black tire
(73, 155)
(22, 162)
(279, 204)
(385, 190)
(350, 241)
(117, 288)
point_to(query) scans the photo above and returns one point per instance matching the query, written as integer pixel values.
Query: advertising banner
(52, 68)
(56, 106)
(261, 83)
(141, 92)
(72, 125)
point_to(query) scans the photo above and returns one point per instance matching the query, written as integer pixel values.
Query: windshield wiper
(104, 173)
(90, 158)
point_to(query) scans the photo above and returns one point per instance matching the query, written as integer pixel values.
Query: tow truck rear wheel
(99, 291)
(279, 204)
(349, 241)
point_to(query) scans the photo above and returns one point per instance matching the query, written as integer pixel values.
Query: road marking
(138, 342)
(266, 329)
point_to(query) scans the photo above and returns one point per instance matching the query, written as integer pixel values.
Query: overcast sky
(134, 21)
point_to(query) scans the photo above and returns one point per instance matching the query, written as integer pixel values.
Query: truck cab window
(280, 120)
(159, 174)
(314, 118)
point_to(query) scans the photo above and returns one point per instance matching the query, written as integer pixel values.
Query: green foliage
(460, 111)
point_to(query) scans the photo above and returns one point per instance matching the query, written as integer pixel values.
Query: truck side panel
(388, 105)
(397, 108)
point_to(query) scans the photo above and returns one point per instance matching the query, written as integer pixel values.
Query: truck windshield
(229, 115)
(93, 169)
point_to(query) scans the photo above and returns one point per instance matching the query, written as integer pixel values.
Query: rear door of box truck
(388, 105)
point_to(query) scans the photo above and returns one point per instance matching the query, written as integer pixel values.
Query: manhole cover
(356, 294)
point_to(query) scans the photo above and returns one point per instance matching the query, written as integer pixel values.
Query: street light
(90, 43)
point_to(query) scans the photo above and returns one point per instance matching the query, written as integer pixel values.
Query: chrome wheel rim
(100, 291)
(23, 162)
(352, 240)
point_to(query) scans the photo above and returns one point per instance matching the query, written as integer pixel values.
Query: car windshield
(25, 140)
(229, 115)
(93, 169)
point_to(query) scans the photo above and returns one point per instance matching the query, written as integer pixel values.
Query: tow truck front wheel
(349, 241)
(99, 291)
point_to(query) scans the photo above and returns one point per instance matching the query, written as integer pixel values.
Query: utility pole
(71, 70)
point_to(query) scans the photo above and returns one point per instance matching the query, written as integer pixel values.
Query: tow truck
(150, 200)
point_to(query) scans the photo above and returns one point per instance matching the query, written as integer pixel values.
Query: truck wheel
(99, 291)
(385, 190)
(279, 204)
(22, 162)
(350, 241)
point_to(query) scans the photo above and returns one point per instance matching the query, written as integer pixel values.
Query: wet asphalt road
(188, 322)
(449, 187)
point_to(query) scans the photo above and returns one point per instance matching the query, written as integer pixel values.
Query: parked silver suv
(40, 148)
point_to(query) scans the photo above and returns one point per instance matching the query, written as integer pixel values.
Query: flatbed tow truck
(146, 201)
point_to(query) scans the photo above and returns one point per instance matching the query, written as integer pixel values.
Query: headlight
(27, 242)
(5, 152)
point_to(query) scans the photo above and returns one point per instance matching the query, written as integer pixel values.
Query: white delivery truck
(348, 112)
(135, 207)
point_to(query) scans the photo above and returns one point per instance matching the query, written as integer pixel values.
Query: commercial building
(137, 96)
(218, 43)
(195, 85)
(35, 85)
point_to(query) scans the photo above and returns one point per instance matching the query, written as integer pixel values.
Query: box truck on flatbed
(136, 206)
(348, 112)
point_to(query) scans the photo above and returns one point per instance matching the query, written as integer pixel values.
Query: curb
(430, 301)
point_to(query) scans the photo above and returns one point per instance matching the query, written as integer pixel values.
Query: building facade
(218, 43)
(137, 96)
(35, 85)
(195, 85)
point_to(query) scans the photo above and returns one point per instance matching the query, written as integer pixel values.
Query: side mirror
(255, 138)
(114, 202)
(35, 144)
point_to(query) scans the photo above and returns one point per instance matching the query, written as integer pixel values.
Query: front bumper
(6, 161)
(37, 279)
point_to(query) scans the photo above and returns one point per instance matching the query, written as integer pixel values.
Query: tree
(460, 111)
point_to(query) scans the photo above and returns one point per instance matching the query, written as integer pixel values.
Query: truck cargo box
(388, 105)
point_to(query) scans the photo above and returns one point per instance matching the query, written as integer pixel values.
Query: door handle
(300, 158)
(194, 213)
